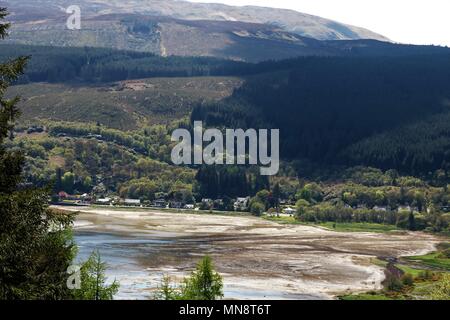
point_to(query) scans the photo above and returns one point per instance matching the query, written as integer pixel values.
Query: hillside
(124, 105)
(100, 65)
(179, 28)
(349, 110)
(329, 110)
(286, 20)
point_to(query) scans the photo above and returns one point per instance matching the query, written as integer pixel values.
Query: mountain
(180, 28)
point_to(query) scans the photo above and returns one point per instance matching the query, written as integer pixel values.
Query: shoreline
(295, 260)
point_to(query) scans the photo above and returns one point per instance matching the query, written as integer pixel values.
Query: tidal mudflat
(258, 259)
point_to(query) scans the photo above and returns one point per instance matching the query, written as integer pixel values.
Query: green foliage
(445, 254)
(203, 284)
(442, 290)
(93, 281)
(435, 259)
(393, 283)
(370, 177)
(36, 246)
(68, 181)
(256, 207)
(119, 161)
(167, 291)
(425, 275)
(301, 206)
(261, 202)
(311, 193)
(407, 280)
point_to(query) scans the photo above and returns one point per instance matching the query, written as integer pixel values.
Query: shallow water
(124, 256)
(258, 259)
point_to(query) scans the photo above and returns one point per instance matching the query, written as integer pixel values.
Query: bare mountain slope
(289, 20)
(169, 27)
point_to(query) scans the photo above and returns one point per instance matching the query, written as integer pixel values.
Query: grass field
(434, 260)
(366, 296)
(425, 270)
(341, 227)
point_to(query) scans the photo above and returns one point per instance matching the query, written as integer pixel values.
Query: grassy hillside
(123, 105)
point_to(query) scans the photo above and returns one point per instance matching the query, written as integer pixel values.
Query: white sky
(406, 21)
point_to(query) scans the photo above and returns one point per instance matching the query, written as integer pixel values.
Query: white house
(104, 201)
(380, 209)
(241, 204)
(289, 211)
(132, 202)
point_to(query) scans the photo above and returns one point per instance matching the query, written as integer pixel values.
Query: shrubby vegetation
(36, 244)
(79, 157)
(442, 290)
(367, 195)
(203, 284)
(413, 278)
(93, 281)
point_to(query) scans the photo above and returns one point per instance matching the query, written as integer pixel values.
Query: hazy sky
(406, 21)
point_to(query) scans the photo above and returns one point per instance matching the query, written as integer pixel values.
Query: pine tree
(93, 281)
(204, 283)
(35, 242)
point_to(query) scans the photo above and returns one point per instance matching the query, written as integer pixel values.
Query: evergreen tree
(276, 194)
(204, 283)
(35, 242)
(93, 281)
(411, 222)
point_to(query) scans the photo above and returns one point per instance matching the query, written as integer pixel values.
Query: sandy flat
(258, 259)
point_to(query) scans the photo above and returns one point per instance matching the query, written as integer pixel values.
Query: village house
(407, 209)
(289, 211)
(176, 205)
(131, 202)
(241, 204)
(159, 203)
(380, 209)
(103, 201)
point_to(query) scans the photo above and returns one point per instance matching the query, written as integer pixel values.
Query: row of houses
(159, 203)
(402, 208)
(239, 204)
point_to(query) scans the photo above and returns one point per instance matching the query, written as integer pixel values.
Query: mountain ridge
(179, 28)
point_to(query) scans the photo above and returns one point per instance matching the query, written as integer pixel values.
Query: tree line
(98, 65)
